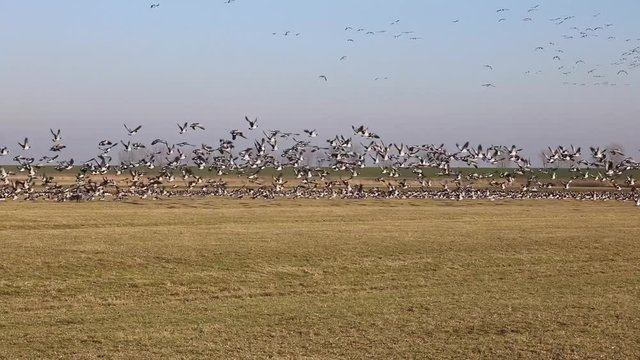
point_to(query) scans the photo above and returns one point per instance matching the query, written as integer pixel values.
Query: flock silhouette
(328, 168)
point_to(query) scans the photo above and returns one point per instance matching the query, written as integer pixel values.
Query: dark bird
(323, 77)
(252, 124)
(25, 145)
(153, 6)
(196, 125)
(134, 131)
(56, 135)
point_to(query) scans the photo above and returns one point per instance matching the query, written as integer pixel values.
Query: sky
(88, 67)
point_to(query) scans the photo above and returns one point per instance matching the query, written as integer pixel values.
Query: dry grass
(320, 279)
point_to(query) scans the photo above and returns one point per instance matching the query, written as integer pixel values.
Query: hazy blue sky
(87, 67)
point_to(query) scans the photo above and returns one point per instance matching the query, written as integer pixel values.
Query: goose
(25, 145)
(252, 124)
(311, 133)
(134, 131)
(57, 147)
(237, 133)
(127, 146)
(56, 135)
(196, 125)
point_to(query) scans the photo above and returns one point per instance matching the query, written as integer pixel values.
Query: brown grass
(320, 279)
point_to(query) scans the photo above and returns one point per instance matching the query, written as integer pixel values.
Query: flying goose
(56, 135)
(25, 145)
(252, 124)
(134, 131)
(311, 133)
(236, 133)
(196, 125)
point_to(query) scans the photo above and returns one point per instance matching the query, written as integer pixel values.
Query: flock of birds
(162, 169)
(332, 168)
(571, 69)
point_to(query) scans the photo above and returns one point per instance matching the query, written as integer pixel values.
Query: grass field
(320, 279)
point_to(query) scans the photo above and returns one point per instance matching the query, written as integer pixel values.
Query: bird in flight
(196, 125)
(323, 77)
(25, 145)
(311, 133)
(488, 85)
(153, 6)
(623, 72)
(343, 58)
(489, 67)
(252, 124)
(56, 135)
(134, 131)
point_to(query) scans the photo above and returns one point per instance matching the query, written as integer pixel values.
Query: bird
(489, 67)
(195, 126)
(25, 145)
(488, 85)
(183, 128)
(323, 77)
(134, 131)
(252, 124)
(311, 133)
(237, 133)
(343, 58)
(56, 135)
(153, 6)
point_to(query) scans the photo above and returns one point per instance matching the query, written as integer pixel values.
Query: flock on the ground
(322, 168)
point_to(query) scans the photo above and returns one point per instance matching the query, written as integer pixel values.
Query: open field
(320, 279)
